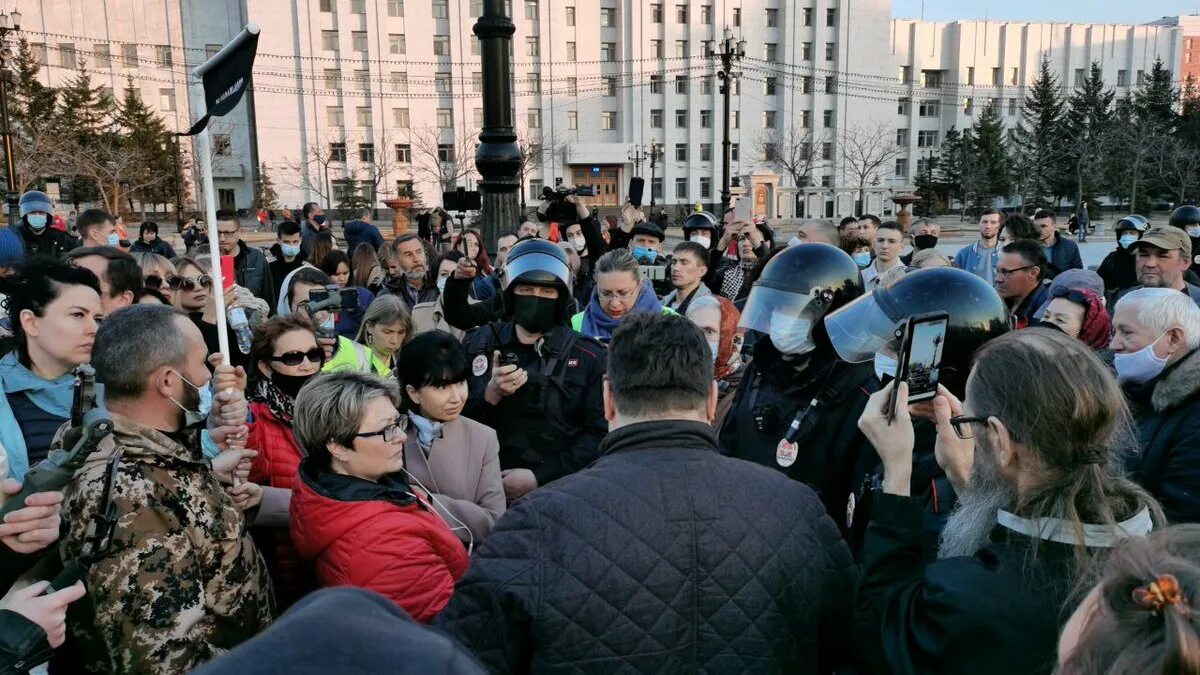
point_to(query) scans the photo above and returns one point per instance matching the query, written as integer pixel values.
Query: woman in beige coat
(454, 458)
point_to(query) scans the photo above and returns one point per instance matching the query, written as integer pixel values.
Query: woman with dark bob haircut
(454, 458)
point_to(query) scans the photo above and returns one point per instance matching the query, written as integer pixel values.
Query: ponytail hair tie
(1162, 592)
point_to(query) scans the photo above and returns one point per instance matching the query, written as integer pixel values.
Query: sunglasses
(1072, 294)
(156, 282)
(189, 284)
(315, 355)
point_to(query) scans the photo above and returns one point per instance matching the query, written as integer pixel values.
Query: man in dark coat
(1165, 396)
(1010, 557)
(361, 231)
(663, 556)
(1062, 254)
(249, 264)
(40, 239)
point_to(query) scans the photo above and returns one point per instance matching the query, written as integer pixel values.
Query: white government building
(383, 96)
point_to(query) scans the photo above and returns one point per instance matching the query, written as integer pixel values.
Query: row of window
(102, 55)
(770, 18)
(932, 79)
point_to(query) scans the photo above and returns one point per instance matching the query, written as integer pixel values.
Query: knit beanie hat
(12, 249)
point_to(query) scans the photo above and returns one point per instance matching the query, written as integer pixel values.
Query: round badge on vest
(785, 453)
(479, 365)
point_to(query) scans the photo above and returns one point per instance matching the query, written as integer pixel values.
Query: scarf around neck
(428, 431)
(599, 325)
(279, 403)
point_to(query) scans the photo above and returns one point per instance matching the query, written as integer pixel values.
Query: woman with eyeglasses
(620, 291)
(354, 514)
(337, 265)
(1079, 313)
(55, 310)
(285, 356)
(195, 298)
(159, 274)
(456, 459)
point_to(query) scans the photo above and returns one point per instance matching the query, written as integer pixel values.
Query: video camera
(558, 210)
(330, 299)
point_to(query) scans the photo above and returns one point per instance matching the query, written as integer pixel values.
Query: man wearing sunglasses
(249, 263)
(1019, 279)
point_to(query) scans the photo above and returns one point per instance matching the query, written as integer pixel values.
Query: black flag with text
(226, 79)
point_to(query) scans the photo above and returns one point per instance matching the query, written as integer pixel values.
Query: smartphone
(742, 211)
(228, 275)
(920, 360)
(636, 187)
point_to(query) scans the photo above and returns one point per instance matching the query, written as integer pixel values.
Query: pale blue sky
(1075, 11)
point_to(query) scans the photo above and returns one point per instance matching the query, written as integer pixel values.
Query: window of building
(103, 57)
(535, 83)
(706, 15)
(66, 55)
(656, 49)
(737, 17)
(656, 118)
(129, 55)
(681, 49)
(573, 86)
(971, 76)
(705, 119)
(929, 108)
(829, 50)
(968, 107)
(572, 120)
(162, 54)
(656, 188)
(770, 52)
(395, 7)
(475, 47)
(445, 152)
(441, 83)
(681, 188)
(531, 10)
(681, 84)
(932, 79)
(363, 115)
(477, 117)
(327, 5)
(768, 119)
(358, 6)
(656, 13)
(808, 16)
(333, 78)
(396, 44)
(997, 77)
(400, 116)
(830, 84)
(399, 82)
(1012, 106)
(681, 119)
(736, 122)
(610, 85)
(534, 119)
(166, 99)
(366, 152)
(706, 152)
(706, 85)
(445, 118)
(770, 152)
(827, 118)
(831, 17)
(608, 120)
(903, 105)
(806, 84)
(705, 187)
(362, 79)
(608, 17)
(902, 137)
(404, 153)
(681, 13)
(477, 82)
(806, 51)
(827, 151)
(805, 119)
(656, 84)
(769, 85)
(337, 152)
(772, 18)
(441, 45)
(329, 40)
(570, 50)
(735, 152)
(1079, 77)
(441, 9)
(905, 74)
(1014, 77)
(335, 116)
(1122, 78)
(535, 189)
(608, 51)
(901, 168)
(570, 11)
(1141, 77)
(681, 152)
(927, 139)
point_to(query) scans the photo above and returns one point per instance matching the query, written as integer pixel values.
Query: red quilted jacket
(369, 535)
(276, 465)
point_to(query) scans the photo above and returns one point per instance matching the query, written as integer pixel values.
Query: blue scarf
(599, 325)
(53, 396)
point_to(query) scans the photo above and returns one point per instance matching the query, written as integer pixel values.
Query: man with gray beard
(1041, 496)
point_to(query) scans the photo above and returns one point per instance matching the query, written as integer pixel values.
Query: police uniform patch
(573, 363)
(785, 453)
(479, 365)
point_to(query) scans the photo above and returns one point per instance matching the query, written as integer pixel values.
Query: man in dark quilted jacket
(663, 556)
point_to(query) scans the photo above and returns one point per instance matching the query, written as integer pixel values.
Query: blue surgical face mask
(885, 366)
(290, 250)
(643, 254)
(441, 284)
(36, 221)
(327, 326)
(714, 347)
(114, 239)
(791, 335)
(795, 241)
(862, 259)
(203, 408)
(1126, 240)
(1140, 366)
(1193, 231)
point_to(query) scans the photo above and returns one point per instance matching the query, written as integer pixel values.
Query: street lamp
(9, 23)
(731, 51)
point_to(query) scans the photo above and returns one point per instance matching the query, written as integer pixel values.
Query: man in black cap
(1187, 218)
(1164, 254)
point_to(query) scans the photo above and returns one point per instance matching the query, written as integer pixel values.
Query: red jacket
(376, 536)
(276, 465)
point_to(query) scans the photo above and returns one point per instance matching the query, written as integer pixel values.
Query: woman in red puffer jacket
(285, 356)
(353, 512)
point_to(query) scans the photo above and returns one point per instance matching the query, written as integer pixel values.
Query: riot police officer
(871, 328)
(1118, 270)
(534, 380)
(39, 237)
(703, 228)
(798, 405)
(1187, 218)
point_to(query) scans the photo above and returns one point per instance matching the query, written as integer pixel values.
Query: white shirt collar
(1062, 532)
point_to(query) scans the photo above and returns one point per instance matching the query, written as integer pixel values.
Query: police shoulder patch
(479, 365)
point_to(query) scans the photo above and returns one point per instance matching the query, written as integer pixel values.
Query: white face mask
(795, 241)
(1140, 366)
(1193, 231)
(441, 284)
(579, 243)
(791, 335)
(885, 366)
(702, 239)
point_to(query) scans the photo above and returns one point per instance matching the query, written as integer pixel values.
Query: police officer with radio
(534, 380)
(871, 330)
(798, 405)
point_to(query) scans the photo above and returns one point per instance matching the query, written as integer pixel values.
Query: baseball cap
(1167, 238)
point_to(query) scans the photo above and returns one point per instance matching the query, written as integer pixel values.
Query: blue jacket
(1063, 256)
(55, 397)
(360, 231)
(972, 259)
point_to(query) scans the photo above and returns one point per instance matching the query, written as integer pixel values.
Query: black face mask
(924, 241)
(534, 314)
(289, 384)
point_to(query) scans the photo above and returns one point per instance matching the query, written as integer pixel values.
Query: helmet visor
(860, 329)
(765, 302)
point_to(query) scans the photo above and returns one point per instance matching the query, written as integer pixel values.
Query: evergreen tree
(265, 196)
(1086, 123)
(1156, 99)
(1038, 140)
(84, 118)
(987, 169)
(31, 104)
(1143, 123)
(143, 133)
(949, 168)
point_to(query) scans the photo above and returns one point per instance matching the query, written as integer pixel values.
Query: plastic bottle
(241, 328)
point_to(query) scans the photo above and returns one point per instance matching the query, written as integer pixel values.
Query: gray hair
(619, 260)
(703, 302)
(1160, 309)
(331, 407)
(386, 309)
(132, 343)
(824, 231)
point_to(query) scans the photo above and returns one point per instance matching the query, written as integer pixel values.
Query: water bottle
(241, 328)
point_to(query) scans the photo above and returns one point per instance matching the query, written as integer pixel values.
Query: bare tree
(1175, 163)
(310, 173)
(34, 157)
(867, 152)
(440, 162)
(797, 151)
(535, 150)
(381, 165)
(116, 169)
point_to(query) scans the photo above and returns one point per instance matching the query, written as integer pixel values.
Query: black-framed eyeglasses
(188, 284)
(391, 433)
(315, 355)
(156, 282)
(1000, 271)
(962, 425)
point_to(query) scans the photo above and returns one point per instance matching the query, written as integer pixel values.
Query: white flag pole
(204, 148)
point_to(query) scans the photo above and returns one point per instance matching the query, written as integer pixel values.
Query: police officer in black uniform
(798, 405)
(703, 228)
(534, 380)
(1187, 218)
(871, 329)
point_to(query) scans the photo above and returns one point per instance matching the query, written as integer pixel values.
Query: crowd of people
(590, 451)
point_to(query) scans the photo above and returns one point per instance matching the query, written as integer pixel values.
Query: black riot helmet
(1184, 216)
(702, 220)
(872, 323)
(537, 262)
(1134, 222)
(796, 289)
